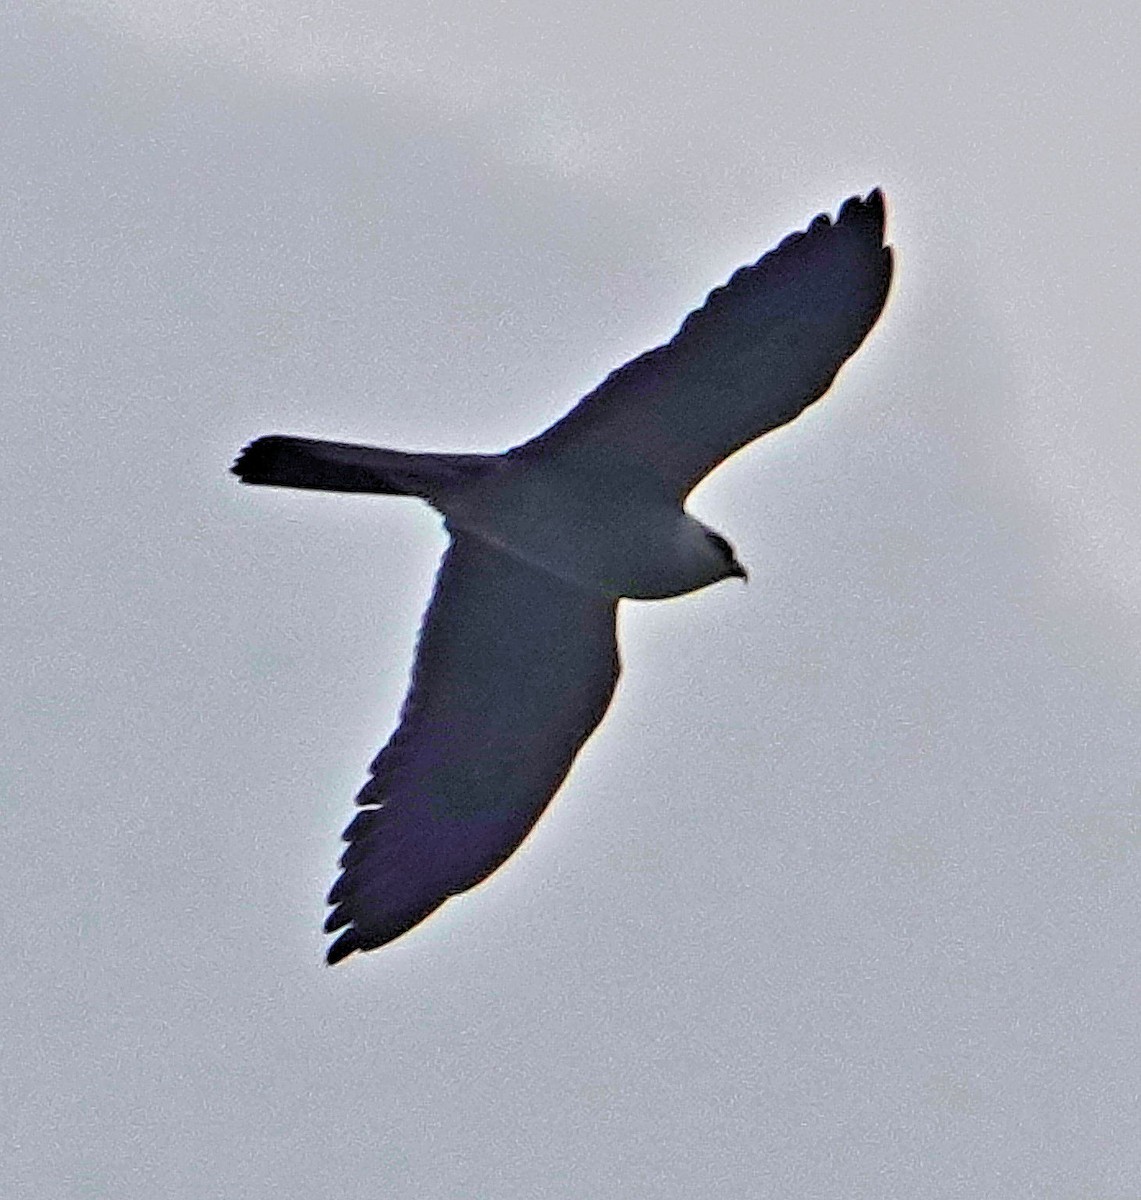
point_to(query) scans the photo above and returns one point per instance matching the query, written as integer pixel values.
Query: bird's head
(692, 558)
(726, 557)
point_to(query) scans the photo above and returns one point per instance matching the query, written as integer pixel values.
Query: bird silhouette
(517, 659)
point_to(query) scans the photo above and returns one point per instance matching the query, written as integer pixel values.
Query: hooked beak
(738, 572)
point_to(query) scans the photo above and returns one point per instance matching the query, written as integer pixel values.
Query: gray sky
(841, 902)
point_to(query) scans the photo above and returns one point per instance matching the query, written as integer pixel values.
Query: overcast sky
(841, 903)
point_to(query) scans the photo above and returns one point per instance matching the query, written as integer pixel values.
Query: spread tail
(283, 461)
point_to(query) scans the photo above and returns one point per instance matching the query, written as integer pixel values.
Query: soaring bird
(517, 659)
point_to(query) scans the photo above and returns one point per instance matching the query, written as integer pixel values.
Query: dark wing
(760, 350)
(513, 672)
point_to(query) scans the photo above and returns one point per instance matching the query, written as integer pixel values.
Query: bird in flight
(518, 659)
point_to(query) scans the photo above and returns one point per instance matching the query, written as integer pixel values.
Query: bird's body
(517, 660)
(592, 530)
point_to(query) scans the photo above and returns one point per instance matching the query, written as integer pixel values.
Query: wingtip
(346, 944)
(865, 212)
(359, 936)
(875, 203)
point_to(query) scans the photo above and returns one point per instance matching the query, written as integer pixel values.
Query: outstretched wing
(514, 671)
(755, 355)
